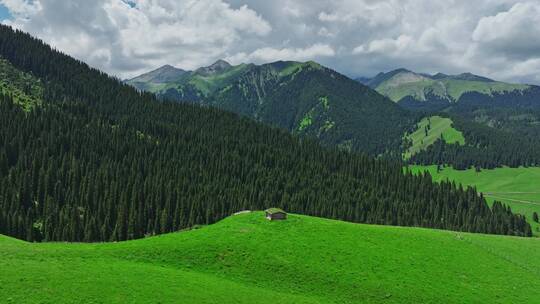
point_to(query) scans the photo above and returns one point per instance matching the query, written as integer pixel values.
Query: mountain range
(304, 98)
(419, 91)
(373, 115)
(411, 90)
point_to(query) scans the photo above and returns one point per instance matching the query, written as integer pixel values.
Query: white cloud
(292, 9)
(21, 8)
(363, 12)
(513, 33)
(385, 46)
(496, 38)
(127, 38)
(269, 54)
(323, 31)
(524, 71)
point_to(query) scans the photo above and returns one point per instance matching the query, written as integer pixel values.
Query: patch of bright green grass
(328, 124)
(519, 188)
(456, 88)
(25, 89)
(324, 101)
(306, 121)
(210, 83)
(291, 68)
(248, 259)
(439, 126)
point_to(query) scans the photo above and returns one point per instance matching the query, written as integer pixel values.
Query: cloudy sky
(495, 38)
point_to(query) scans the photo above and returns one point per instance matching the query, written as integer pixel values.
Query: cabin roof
(274, 211)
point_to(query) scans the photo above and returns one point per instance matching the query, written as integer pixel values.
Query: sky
(493, 38)
(4, 12)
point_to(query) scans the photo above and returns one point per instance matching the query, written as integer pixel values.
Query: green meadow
(248, 259)
(517, 187)
(439, 126)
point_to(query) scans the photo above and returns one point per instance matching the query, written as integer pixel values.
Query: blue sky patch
(130, 2)
(4, 13)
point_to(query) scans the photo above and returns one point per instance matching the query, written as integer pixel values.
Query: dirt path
(511, 199)
(489, 193)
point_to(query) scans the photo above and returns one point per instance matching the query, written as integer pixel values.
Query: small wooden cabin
(275, 214)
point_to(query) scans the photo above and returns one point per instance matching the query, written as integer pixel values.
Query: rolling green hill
(304, 98)
(516, 187)
(428, 131)
(247, 259)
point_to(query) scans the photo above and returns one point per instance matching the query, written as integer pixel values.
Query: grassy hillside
(435, 127)
(516, 187)
(26, 90)
(456, 88)
(247, 259)
(402, 83)
(207, 84)
(418, 87)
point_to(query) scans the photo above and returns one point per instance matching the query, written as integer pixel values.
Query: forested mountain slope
(96, 160)
(305, 98)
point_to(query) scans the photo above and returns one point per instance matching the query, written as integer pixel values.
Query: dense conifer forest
(320, 103)
(494, 138)
(96, 160)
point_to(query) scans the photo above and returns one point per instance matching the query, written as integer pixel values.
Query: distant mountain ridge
(188, 86)
(382, 77)
(417, 91)
(166, 73)
(217, 67)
